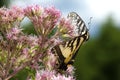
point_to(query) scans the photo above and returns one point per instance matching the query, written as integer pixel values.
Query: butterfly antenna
(89, 23)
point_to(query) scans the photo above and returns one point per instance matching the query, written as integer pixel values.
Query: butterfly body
(67, 51)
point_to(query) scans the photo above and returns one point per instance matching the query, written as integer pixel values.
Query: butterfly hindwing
(66, 51)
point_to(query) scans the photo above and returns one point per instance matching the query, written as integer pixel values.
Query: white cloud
(102, 8)
(32, 2)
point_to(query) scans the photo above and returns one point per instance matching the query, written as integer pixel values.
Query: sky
(97, 9)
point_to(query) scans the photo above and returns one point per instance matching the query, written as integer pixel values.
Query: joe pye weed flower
(20, 51)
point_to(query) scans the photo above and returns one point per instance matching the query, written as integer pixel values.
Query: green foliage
(4, 3)
(22, 75)
(28, 28)
(98, 59)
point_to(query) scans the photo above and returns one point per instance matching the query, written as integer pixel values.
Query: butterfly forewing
(79, 25)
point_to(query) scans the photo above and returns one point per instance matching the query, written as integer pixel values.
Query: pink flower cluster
(13, 33)
(66, 27)
(46, 19)
(51, 75)
(19, 50)
(8, 16)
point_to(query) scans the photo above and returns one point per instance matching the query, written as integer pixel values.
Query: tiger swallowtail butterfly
(67, 51)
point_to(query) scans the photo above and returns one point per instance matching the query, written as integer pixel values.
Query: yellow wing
(67, 51)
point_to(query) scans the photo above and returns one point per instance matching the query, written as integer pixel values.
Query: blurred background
(98, 58)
